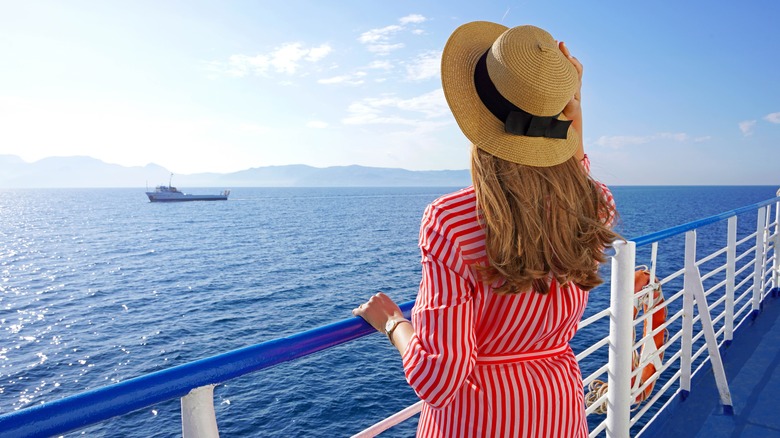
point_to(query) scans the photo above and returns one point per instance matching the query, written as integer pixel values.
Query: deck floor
(752, 364)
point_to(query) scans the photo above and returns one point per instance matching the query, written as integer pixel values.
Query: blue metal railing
(680, 229)
(94, 406)
(90, 407)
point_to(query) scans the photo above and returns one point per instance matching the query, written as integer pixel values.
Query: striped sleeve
(604, 191)
(442, 351)
(585, 163)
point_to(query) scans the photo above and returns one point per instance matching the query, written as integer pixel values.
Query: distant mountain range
(87, 172)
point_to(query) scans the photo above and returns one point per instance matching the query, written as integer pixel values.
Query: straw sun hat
(507, 88)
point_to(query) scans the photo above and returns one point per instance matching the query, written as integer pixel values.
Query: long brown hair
(540, 221)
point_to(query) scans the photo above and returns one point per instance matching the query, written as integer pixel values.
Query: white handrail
(390, 421)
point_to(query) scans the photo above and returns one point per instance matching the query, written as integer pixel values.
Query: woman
(507, 263)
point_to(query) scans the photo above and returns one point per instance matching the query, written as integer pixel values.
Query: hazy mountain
(71, 172)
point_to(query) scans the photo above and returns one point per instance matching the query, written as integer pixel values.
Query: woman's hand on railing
(380, 310)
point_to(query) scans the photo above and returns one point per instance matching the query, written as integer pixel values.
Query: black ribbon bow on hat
(516, 121)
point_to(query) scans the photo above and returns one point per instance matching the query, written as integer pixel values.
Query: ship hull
(157, 197)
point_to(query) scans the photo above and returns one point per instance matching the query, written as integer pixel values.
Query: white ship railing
(707, 296)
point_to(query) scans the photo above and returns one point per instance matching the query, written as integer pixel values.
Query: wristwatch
(390, 327)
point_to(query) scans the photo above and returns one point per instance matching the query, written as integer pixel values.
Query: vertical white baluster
(653, 261)
(776, 250)
(758, 272)
(693, 287)
(767, 243)
(620, 329)
(687, 317)
(197, 414)
(731, 257)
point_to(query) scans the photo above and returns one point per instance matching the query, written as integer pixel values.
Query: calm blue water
(98, 286)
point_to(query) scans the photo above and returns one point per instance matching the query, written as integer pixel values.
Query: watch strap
(394, 326)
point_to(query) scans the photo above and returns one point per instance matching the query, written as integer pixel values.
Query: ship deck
(752, 364)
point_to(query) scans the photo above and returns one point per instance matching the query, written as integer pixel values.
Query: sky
(674, 92)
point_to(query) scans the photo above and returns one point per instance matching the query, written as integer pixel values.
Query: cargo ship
(170, 193)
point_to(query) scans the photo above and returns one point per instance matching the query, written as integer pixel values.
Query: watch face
(389, 325)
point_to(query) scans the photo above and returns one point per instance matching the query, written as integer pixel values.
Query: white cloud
(286, 59)
(394, 110)
(676, 136)
(432, 104)
(425, 66)
(242, 65)
(379, 40)
(412, 18)
(381, 65)
(353, 79)
(318, 53)
(377, 35)
(772, 118)
(317, 124)
(384, 49)
(334, 80)
(747, 127)
(620, 141)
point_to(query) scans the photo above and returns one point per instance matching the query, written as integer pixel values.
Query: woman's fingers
(377, 310)
(564, 49)
(577, 66)
(575, 62)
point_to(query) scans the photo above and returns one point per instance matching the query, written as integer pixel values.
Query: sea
(99, 285)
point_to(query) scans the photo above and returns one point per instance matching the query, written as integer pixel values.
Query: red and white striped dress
(488, 365)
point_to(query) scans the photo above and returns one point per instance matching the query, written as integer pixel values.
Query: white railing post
(731, 261)
(775, 251)
(767, 244)
(620, 340)
(758, 272)
(197, 414)
(686, 347)
(693, 287)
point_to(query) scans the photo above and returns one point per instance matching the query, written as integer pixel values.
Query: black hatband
(516, 121)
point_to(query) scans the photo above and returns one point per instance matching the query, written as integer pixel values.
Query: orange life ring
(649, 304)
